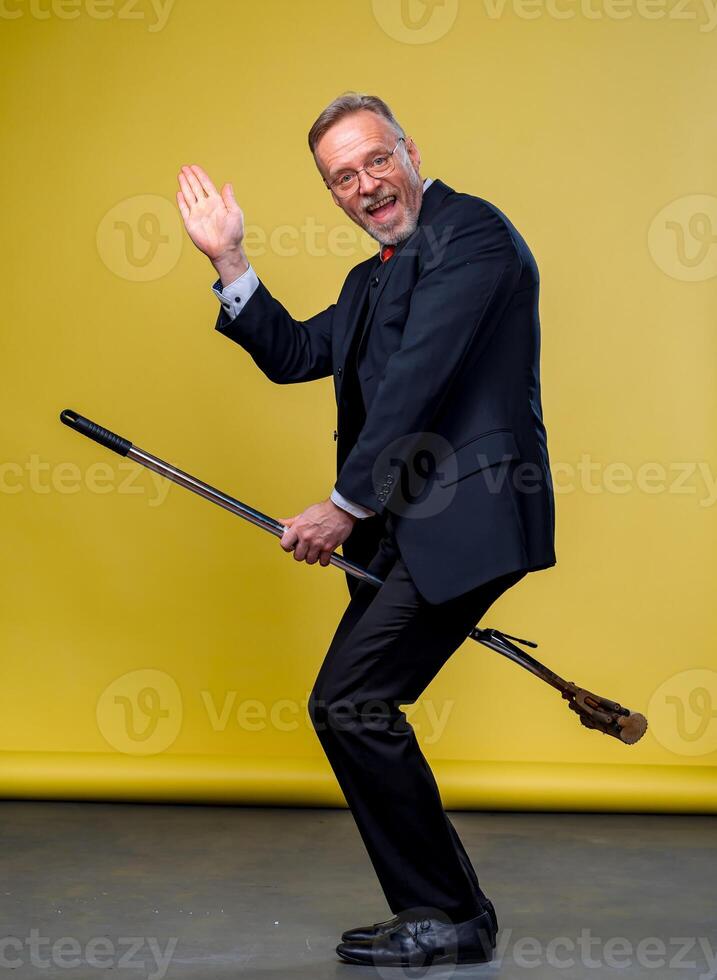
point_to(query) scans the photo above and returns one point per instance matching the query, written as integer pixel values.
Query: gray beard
(388, 237)
(393, 238)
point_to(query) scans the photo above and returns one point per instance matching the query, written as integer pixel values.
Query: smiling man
(443, 484)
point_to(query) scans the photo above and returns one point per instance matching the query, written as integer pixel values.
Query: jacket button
(336, 435)
(339, 371)
(375, 281)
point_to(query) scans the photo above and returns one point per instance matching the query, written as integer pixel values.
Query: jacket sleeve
(285, 349)
(454, 306)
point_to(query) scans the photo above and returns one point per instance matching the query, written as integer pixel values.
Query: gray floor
(189, 891)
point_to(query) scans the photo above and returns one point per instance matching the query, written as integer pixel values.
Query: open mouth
(382, 209)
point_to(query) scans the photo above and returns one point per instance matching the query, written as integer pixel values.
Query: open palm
(214, 221)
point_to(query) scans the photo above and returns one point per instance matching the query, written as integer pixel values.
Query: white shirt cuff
(348, 505)
(237, 294)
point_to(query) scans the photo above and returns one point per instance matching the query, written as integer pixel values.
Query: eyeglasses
(381, 165)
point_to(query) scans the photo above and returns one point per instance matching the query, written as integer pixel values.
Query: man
(443, 484)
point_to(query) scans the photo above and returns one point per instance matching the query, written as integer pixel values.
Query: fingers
(183, 209)
(229, 199)
(196, 185)
(287, 522)
(303, 550)
(312, 555)
(204, 180)
(300, 551)
(289, 539)
(189, 196)
(318, 554)
(193, 182)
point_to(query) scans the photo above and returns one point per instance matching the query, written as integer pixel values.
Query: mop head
(605, 716)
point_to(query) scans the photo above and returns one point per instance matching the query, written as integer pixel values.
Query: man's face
(353, 142)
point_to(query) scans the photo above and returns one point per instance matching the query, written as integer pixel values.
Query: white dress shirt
(234, 298)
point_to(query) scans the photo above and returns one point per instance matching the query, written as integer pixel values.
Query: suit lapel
(356, 307)
(432, 201)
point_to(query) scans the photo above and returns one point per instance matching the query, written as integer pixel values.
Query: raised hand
(214, 221)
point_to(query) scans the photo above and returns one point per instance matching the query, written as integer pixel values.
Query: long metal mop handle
(596, 712)
(124, 447)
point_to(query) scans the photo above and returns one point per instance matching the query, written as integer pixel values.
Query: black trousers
(388, 646)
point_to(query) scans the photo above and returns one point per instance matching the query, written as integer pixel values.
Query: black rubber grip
(93, 431)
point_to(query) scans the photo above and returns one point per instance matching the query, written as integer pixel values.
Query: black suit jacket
(452, 443)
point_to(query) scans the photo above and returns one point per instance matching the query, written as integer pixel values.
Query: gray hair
(344, 105)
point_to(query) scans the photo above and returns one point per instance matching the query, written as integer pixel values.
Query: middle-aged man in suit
(443, 484)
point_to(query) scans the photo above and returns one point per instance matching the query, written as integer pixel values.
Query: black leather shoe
(425, 942)
(367, 933)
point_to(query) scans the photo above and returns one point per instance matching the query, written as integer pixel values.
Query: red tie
(386, 252)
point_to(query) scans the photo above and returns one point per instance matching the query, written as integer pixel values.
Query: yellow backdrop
(154, 647)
